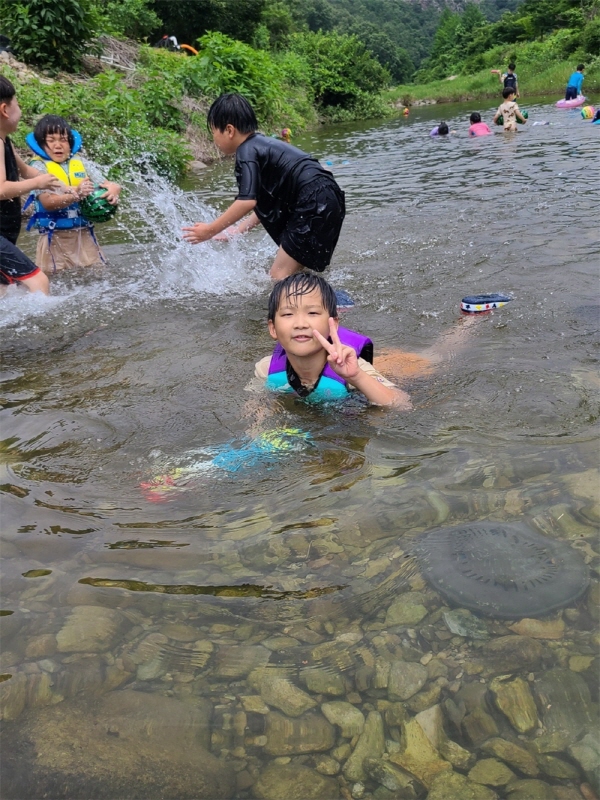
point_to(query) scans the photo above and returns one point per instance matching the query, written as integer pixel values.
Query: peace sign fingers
(334, 347)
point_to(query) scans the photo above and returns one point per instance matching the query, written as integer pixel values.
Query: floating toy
(578, 101)
(266, 448)
(587, 112)
(96, 208)
(286, 135)
(406, 112)
(525, 113)
(477, 303)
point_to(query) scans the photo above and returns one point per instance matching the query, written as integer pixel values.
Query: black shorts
(14, 265)
(571, 93)
(313, 227)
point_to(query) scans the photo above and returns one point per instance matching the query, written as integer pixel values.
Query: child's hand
(113, 190)
(85, 188)
(200, 232)
(47, 181)
(342, 358)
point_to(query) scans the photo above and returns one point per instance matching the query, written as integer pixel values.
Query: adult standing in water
(296, 199)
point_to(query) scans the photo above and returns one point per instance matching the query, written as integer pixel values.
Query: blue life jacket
(330, 385)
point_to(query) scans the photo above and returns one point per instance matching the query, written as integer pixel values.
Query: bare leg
(37, 283)
(284, 265)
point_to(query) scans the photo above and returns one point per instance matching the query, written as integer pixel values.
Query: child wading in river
(66, 238)
(296, 199)
(509, 110)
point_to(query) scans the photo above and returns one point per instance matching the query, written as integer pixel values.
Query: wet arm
(378, 393)
(11, 189)
(236, 211)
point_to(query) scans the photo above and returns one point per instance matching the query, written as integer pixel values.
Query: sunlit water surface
(136, 371)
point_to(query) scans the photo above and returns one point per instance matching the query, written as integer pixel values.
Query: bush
(342, 70)
(132, 19)
(590, 38)
(114, 121)
(49, 34)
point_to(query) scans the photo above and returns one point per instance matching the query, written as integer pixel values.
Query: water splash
(148, 260)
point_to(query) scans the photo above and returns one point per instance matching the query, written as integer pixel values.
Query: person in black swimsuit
(15, 266)
(297, 200)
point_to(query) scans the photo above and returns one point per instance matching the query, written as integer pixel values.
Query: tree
(49, 34)
(190, 19)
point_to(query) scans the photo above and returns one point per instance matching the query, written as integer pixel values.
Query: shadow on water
(207, 593)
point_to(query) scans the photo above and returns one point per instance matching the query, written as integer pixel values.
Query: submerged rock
(279, 692)
(350, 719)
(530, 790)
(292, 782)
(393, 778)
(565, 701)
(540, 629)
(418, 756)
(408, 609)
(512, 754)
(512, 654)
(405, 679)
(587, 753)
(129, 744)
(371, 744)
(310, 733)
(463, 623)
(453, 786)
(491, 772)
(516, 702)
(89, 629)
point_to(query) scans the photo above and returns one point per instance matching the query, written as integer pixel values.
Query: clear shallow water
(109, 384)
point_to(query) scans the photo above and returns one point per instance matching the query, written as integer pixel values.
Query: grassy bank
(548, 79)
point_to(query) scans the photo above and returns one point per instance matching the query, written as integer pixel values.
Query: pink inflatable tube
(579, 101)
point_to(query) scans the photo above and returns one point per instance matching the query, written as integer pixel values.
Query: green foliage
(342, 70)
(130, 19)
(114, 120)
(553, 30)
(49, 34)
(190, 20)
(590, 37)
(277, 23)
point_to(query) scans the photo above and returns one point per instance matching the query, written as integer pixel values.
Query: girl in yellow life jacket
(66, 238)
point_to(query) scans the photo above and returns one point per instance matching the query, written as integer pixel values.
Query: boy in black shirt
(296, 199)
(15, 266)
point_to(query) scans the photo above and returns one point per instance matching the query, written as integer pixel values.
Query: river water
(189, 613)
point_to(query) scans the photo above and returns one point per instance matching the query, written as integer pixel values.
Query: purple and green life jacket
(330, 386)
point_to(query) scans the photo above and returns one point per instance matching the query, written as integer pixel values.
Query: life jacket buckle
(51, 224)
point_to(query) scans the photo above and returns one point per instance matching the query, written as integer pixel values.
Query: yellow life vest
(65, 218)
(72, 176)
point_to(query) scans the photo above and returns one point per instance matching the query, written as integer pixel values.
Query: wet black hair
(443, 129)
(7, 90)
(580, 67)
(507, 92)
(299, 284)
(475, 118)
(231, 109)
(511, 66)
(52, 124)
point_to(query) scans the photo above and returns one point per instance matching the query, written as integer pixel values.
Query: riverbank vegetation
(299, 62)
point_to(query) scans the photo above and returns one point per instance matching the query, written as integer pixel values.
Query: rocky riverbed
(131, 689)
